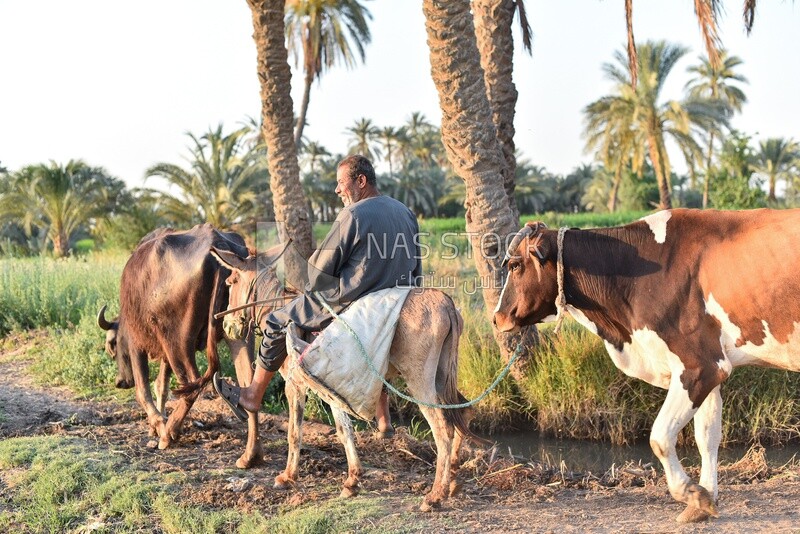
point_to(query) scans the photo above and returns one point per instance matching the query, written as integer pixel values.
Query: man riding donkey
(371, 246)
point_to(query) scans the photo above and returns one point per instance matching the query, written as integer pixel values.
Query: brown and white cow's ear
(233, 261)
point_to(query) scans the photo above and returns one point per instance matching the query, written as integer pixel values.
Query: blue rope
(402, 395)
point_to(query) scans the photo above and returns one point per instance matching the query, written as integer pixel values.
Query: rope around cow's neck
(561, 299)
(399, 393)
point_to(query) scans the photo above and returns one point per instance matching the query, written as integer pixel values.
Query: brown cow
(424, 352)
(680, 299)
(168, 298)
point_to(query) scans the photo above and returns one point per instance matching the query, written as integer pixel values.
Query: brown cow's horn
(101, 319)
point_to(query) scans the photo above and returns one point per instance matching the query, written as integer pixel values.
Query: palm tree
(717, 81)
(391, 138)
(649, 121)
(364, 139)
(222, 186)
(468, 135)
(610, 131)
(59, 199)
(493, 22)
(707, 12)
(324, 32)
(775, 159)
(277, 120)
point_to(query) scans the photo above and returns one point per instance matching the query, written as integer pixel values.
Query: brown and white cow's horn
(101, 319)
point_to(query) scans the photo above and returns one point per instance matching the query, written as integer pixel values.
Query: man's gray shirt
(372, 245)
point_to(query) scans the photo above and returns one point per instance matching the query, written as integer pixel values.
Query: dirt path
(499, 494)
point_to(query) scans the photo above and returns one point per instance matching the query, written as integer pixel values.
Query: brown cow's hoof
(349, 492)
(429, 506)
(283, 482)
(164, 443)
(246, 461)
(455, 487)
(692, 515)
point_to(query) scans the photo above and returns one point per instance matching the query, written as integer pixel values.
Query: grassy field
(572, 389)
(70, 485)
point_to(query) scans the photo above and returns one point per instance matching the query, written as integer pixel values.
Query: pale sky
(119, 83)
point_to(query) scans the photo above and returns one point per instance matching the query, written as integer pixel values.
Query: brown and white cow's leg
(346, 435)
(296, 398)
(162, 386)
(253, 454)
(708, 434)
(676, 412)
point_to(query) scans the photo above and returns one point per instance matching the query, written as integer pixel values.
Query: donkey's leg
(443, 436)
(296, 397)
(346, 434)
(240, 353)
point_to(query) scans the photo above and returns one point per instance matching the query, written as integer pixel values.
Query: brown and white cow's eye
(513, 266)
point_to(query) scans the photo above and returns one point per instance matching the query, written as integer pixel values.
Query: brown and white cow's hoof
(701, 500)
(692, 515)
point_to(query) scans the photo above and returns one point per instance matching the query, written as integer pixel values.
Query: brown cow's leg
(253, 454)
(141, 379)
(162, 387)
(183, 365)
(296, 397)
(345, 433)
(443, 436)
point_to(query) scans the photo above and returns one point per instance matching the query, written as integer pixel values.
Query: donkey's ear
(233, 261)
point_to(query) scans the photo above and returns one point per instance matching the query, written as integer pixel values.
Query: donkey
(424, 351)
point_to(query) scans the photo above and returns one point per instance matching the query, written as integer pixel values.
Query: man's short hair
(358, 164)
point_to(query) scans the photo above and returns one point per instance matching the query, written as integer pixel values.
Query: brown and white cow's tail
(212, 355)
(447, 378)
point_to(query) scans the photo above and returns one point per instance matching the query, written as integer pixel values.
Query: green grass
(56, 484)
(42, 292)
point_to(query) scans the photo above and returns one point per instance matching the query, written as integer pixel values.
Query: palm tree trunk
(60, 243)
(474, 152)
(493, 20)
(301, 119)
(708, 169)
(773, 180)
(656, 158)
(612, 198)
(277, 108)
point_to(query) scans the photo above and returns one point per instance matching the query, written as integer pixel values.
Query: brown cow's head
(252, 278)
(530, 289)
(117, 348)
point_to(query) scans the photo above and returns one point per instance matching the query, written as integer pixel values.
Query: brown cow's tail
(447, 379)
(211, 342)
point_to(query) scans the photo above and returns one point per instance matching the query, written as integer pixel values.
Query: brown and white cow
(680, 298)
(168, 297)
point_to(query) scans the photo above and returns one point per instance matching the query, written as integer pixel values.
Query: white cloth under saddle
(333, 365)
